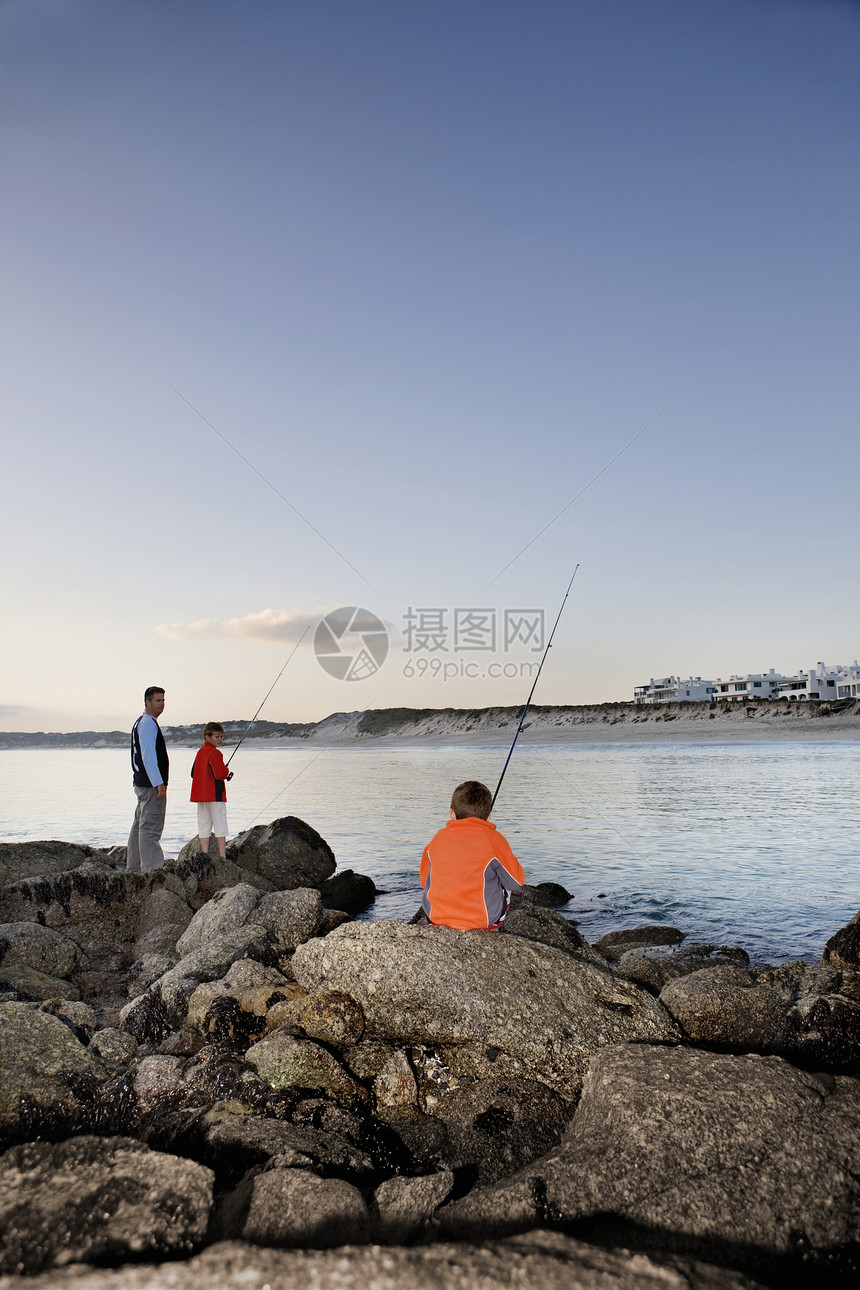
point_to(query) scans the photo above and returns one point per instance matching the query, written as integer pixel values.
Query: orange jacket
(467, 872)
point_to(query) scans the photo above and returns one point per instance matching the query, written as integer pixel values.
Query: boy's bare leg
(204, 844)
(222, 847)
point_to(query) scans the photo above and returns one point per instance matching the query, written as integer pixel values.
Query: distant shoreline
(753, 722)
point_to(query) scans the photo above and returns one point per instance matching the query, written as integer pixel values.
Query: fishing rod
(268, 692)
(531, 692)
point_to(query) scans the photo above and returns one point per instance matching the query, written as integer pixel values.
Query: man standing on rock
(150, 766)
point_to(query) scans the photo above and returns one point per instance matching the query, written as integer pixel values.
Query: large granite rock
(34, 946)
(403, 1207)
(227, 911)
(287, 852)
(843, 948)
(292, 1207)
(93, 904)
(89, 1199)
(163, 917)
(539, 1260)
(27, 983)
(741, 1159)
(45, 1071)
(20, 860)
(723, 1005)
(204, 875)
(492, 1004)
(291, 917)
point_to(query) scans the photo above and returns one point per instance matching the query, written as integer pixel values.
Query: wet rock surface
(183, 1061)
(349, 891)
(34, 946)
(614, 944)
(654, 966)
(843, 949)
(548, 894)
(723, 1005)
(20, 860)
(92, 1198)
(45, 1070)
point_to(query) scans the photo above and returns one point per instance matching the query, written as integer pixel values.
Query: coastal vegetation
(408, 723)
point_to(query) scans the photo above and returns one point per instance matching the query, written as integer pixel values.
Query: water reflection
(753, 844)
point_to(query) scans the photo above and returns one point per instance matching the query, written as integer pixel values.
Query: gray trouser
(144, 841)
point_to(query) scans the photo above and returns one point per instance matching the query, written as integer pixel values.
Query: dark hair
(471, 799)
(151, 690)
(212, 728)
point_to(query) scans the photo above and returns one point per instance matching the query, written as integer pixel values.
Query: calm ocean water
(750, 844)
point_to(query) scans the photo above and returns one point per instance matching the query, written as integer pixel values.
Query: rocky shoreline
(212, 1075)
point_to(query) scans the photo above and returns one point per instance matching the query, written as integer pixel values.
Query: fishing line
(532, 690)
(287, 786)
(268, 484)
(268, 692)
(591, 481)
(281, 791)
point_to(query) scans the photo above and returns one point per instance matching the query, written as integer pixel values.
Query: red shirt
(208, 775)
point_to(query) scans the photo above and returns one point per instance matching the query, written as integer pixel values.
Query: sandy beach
(603, 723)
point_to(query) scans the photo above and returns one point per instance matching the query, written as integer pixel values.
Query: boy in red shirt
(468, 870)
(208, 778)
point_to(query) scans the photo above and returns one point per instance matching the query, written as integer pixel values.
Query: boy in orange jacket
(468, 871)
(208, 779)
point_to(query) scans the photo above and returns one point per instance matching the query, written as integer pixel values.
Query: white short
(212, 818)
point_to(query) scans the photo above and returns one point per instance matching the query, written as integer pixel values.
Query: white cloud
(267, 625)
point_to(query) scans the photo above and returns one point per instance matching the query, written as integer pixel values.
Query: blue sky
(428, 268)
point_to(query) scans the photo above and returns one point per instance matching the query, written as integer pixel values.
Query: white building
(822, 682)
(755, 685)
(848, 682)
(819, 683)
(670, 689)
